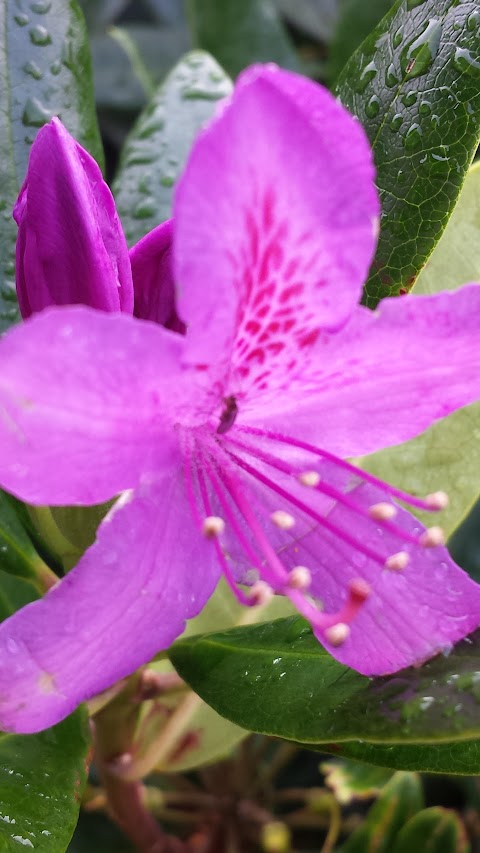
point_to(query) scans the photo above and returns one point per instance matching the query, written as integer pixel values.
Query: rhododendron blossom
(223, 409)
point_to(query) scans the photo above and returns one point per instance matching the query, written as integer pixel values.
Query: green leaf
(415, 85)
(239, 34)
(276, 679)
(156, 150)
(459, 758)
(401, 798)
(44, 71)
(15, 592)
(350, 780)
(447, 456)
(42, 778)
(17, 554)
(433, 830)
(357, 19)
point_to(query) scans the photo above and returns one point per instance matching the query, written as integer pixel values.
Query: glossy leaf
(239, 34)
(276, 679)
(357, 20)
(42, 778)
(414, 84)
(155, 152)
(351, 781)
(459, 758)
(401, 798)
(447, 456)
(15, 592)
(433, 830)
(316, 18)
(44, 71)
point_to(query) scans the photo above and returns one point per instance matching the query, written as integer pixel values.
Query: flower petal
(85, 404)
(151, 260)
(420, 601)
(275, 221)
(71, 248)
(383, 378)
(129, 596)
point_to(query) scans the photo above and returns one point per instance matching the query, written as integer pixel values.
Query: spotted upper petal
(127, 598)
(383, 378)
(274, 227)
(71, 247)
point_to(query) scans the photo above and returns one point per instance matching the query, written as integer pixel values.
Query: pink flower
(226, 433)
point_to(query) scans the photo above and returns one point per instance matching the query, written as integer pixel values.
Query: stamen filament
(347, 466)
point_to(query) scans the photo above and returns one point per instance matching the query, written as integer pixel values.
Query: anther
(283, 519)
(359, 590)
(299, 578)
(437, 500)
(337, 634)
(213, 526)
(309, 478)
(397, 562)
(432, 537)
(260, 593)
(382, 511)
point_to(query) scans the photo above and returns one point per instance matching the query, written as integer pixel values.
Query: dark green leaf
(15, 593)
(433, 830)
(17, 554)
(401, 798)
(44, 71)
(238, 34)
(276, 679)
(415, 85)
(461, 757)
(316, 18)
(156, 150)
(41, 783)
(357, 20)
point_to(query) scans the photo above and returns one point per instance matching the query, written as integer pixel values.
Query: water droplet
(425, 108)
(35, 114)
(439, 164)
(396, 122)
(40, 36)
(55, 67)
(41, 7)
(21, 19)
(409, 98)
(464, 62)
(197, 93)
(372, 108)
(391, 78)
(417, 57)
(413, 137)
(33, 70)
(366, 77)
(397, 37)
(167, 180)
(8, 292)
(473, 21)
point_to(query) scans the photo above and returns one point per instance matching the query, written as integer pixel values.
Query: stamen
(397, 562)
(260, 594)
(213, 526)
(382, 511)
(337, 634)
(437, 500)
(309, 478)
(283, 519)
(432, 537)
(300, 578)
(347, 466)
